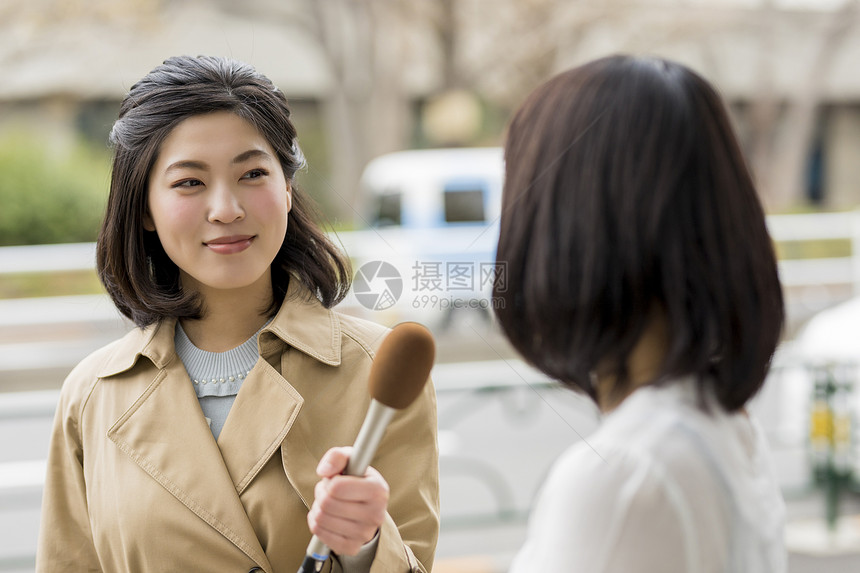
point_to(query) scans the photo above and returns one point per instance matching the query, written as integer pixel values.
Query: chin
(235, 281)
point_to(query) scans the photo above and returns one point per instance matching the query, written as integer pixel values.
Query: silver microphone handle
(371, 432)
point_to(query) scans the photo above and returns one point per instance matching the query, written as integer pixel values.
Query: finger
(369, 513)
(366, 505)
(337, 543)
(341, 535)
(370, 489)
(350, 529)
(334, 461)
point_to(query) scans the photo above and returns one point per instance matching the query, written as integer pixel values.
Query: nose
(225, 205)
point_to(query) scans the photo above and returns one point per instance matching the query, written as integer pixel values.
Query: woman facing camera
(640, 272)
(201, 441)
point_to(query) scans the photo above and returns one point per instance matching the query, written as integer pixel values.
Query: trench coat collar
(302, 322)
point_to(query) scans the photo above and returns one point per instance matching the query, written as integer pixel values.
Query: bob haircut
(139, 276)
(626, 195)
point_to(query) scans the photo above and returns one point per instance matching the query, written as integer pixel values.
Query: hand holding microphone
(347, 510)
(397, 376)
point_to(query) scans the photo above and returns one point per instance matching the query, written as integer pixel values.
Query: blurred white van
(434, 188)
(432, 226)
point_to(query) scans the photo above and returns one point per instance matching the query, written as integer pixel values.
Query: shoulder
(326, 334)
(589, 476)
(361, 340)
(590, 496)
(84, 377)
(362, 334)
(639, 494)
(667, 427)
(646, 456)
(91, 366)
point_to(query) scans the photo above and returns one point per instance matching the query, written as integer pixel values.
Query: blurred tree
(505, 53)
(49, 198)
(367, 111)
(383, 56)
(367, 45)
(783, 126)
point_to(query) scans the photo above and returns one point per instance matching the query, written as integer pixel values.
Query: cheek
(273, 208)
(172, 217)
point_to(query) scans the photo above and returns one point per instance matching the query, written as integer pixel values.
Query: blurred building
(361, 71)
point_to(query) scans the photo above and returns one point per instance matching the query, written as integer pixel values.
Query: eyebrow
(203, 166)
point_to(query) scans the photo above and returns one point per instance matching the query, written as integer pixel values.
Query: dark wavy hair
(625, 192)
(138, 275)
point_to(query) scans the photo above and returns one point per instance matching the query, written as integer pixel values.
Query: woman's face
(218, 200)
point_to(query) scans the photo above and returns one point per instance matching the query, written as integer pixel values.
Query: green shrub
(50, 197)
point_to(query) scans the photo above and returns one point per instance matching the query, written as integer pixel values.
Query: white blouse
(661, 487)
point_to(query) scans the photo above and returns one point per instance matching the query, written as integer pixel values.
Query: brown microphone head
(402, 365)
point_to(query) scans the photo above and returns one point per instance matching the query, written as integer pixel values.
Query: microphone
(398, 374)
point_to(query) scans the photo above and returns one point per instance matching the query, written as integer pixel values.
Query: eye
(187, 183)
(255, 174)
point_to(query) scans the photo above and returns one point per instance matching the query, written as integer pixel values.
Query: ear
(148, 223)
(289, 196)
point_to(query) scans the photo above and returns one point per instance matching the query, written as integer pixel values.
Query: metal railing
(387, 243)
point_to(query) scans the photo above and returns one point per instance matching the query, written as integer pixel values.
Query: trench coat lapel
(259, 420)
(308, 327)
(165, 433)
(264, 416)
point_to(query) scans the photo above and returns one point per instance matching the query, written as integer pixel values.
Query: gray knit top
(216, 376)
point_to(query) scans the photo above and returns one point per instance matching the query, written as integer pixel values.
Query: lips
(231, 244)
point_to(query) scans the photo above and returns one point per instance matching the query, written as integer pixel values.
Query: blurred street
(501, 424)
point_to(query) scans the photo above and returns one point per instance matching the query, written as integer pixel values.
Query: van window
(388, 209)
(464, 205)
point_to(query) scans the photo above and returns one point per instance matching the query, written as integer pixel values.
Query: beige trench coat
(137, 483)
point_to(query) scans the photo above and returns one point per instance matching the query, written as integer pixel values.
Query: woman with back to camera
(197, 442)
(640, 272)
